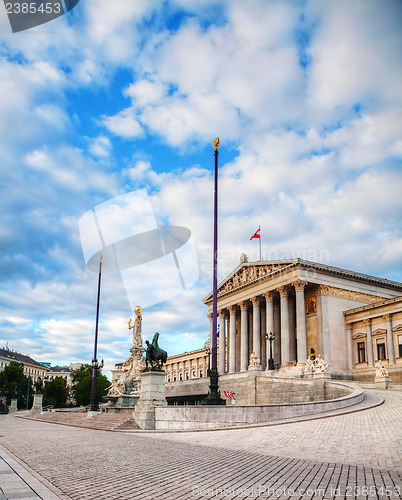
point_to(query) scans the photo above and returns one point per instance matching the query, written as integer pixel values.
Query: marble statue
(316, 365)
(254, 359)
(320, 365)
(116, 388)
(381, 371)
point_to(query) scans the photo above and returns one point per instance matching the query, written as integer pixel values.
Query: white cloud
(100, 147)
(124, 124)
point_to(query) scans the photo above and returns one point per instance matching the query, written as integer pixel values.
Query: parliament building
(352, 320)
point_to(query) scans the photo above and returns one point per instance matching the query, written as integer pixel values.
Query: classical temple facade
(351, 319)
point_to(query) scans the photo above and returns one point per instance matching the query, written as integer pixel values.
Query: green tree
(12, 378)
(82, 385)
(57, 393)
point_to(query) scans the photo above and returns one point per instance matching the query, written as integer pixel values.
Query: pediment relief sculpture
(247, 275)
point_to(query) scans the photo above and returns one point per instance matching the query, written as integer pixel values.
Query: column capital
(243, 305)
(232, 309)
(283, 291)
(349, 326)
(269, 296)
(256, 301)
(222, 313)
(299, 285)
(209, 315)
(367, 321)
(387, 317)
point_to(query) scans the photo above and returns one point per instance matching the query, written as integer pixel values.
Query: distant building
(32, 368)
(63, 372)
(118, 373)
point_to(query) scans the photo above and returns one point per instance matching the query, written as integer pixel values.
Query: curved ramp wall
(212, 417)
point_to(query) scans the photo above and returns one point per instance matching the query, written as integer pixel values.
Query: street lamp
(208, 352)
(95, 365)
(214, 396)
(271, 337)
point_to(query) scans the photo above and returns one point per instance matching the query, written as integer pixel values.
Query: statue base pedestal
(382, 382)
(255, 369)
(37, 403)
(152, 394)
(13, 406)
(319, 380)
(124, 402)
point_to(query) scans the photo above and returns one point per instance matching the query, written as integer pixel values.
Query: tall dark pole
(214, 396)
(215, 273)
(94, 400)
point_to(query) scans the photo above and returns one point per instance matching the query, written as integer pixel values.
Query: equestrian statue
(155, 357)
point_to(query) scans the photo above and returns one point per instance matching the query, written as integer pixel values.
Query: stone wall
(209, 417)
(251, 389)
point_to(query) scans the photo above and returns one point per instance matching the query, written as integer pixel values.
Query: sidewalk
(17, 482)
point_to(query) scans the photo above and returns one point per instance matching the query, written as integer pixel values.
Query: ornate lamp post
(95, 365)
(271, 337)
(214, 396)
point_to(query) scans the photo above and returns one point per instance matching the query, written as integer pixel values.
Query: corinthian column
(390, 339)
(370, 357)
(285, 336)
(256, 327)
(244, 337)
(232, 339)
(301, 322)
(222, 342)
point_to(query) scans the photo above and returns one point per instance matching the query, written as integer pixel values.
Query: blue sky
(117, 96)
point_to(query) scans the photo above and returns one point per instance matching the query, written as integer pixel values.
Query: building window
(361, 352)
(381, 349)
(400, 345)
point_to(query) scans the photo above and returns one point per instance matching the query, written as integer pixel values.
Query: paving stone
(325, 458)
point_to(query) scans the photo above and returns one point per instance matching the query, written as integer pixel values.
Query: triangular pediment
(248, 273)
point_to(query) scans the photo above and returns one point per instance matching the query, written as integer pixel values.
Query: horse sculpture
(154, 355)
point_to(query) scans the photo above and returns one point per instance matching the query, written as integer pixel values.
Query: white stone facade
(307, 306)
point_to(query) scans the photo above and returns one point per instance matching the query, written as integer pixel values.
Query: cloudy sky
(126, 95)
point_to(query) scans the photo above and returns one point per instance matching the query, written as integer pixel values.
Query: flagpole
(259, 229)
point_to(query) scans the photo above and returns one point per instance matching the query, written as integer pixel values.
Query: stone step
(103, 421)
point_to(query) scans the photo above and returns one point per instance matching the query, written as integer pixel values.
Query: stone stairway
(103, 421)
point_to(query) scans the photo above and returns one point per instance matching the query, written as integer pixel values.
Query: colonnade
(257, 314)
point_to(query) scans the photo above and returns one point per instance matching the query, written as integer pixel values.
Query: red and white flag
(256, 234)
(229, 395)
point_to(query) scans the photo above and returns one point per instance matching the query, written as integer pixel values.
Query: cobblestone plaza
(353, 455)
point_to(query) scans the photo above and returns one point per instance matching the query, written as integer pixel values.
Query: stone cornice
(243, 277)
(341, 293)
